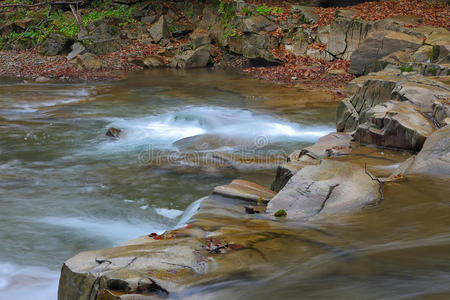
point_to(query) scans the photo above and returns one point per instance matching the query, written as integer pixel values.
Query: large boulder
(329, 188)
(422, 93)
(433, 159)
(378, 45)
(220, 241)
(394, 124)
(199, 38)
(102, 36)
(198, 58)
(258, 46)
(333, 144)
(159, 30)
(256, 24)
(55, 44)
(306, 14)
(346, 36)
(88, 61)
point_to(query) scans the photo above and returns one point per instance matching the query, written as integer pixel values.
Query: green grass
(265, 10)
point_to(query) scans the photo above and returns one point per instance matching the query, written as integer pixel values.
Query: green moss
(406, 68)
(280, 213)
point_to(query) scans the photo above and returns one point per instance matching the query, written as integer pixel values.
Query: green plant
(247, 11)
(190, 13)
(2, 43)
(121, 12)
(406, 68)
(64, 24)
(280, 213)
(265, 10)
(227, 11)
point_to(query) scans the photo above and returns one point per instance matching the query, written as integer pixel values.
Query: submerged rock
(220, 241)
(114, 133)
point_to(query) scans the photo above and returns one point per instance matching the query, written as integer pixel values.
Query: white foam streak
(115, 231)
(21, 283)
(164, 129)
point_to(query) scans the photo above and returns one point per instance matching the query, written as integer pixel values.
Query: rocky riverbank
(246, 229)
(278, 41)
(387, 60)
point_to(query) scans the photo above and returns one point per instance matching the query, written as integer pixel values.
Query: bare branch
(41, 3)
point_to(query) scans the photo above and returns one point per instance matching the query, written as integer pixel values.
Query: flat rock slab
(213, 248)
(245, 190)
(329, 188)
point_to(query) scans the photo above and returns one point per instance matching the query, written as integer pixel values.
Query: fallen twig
(41, 3)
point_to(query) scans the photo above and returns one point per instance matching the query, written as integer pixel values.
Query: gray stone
(380, 87)
(245, 190)
(255, 24)
(149, 62)
(159, 30)
(181, 29)
(77, 49)
(378, 45)
(346, 35)
(306, 14)
(197, 58)
(433, 159)
(257, 46)
(55, 44)
(148, 19)
(423, 54)
(329, 188)
(199, 39)
(88, 61)
(441, 112)
(394, 124)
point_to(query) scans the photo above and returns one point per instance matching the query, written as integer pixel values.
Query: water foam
(115, 231)
(20, 283)
(164, 129)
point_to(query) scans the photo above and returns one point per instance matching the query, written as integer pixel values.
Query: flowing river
(65, 187)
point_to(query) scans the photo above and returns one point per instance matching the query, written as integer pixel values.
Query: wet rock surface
(388, 104)
(220, 241)
(433, 159)
(396, 125)
(328, 188)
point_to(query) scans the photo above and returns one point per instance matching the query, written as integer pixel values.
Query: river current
(65, 187)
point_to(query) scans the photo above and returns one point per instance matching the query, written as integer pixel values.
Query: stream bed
(65, 187)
